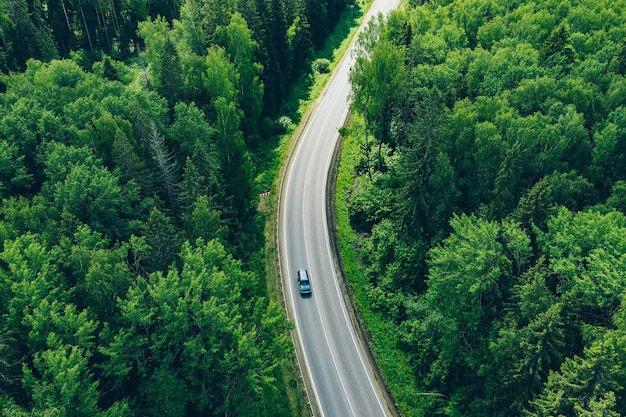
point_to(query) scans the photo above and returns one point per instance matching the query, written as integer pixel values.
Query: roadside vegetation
(482, 208)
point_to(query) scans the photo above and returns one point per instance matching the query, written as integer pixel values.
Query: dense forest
(132, 278)
(278, 39)
(488, 201)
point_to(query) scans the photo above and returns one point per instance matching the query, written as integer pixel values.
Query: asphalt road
(340, 379)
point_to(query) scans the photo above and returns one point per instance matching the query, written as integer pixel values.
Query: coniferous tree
(163, 239)
(276, 72)
(170, 82)
(27, 34)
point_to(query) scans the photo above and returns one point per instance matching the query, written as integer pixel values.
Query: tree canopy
(271, 42)
(490, 218)
(131, 278)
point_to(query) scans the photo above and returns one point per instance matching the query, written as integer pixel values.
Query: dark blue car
(303, 280)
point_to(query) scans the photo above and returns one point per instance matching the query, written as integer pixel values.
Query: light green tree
(239, 44)
(378, 81)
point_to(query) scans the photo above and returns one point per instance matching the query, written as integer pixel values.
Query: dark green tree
(13, 174)
(556, 49)
(193, 186)
(194, 138)
(220, 347)
(427, 193)
(27, 34)
(163, 238)
(276, 70)
(170, 84)
(584, 386)
(99, 271)
(130, 165)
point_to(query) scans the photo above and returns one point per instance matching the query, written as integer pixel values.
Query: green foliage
(239, 44)
(586, 251)
(321, 65)
(192, 323)
(99, 270)
(109, 162)
(584, 386)
(468, 276)
(204, 221)
(13, 173)
(489, 225)
(105, 171)
(378, 81)
(64, 380)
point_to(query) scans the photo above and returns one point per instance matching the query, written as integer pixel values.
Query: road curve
(340, 379)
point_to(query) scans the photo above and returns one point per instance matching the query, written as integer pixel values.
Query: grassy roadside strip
(299, 107)
(382, 334)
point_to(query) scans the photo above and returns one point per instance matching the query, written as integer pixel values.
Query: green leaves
(65, 383)
(13, 173)
(95, 206)
(238, 42)
(199, 330)
(469, 273)
(220, 77)
(587, 251)
(504, 161)
(378, 81)
(584, 386)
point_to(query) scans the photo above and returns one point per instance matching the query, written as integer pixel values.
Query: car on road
(304, 281)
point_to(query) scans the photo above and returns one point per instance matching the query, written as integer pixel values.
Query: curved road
(341, 380)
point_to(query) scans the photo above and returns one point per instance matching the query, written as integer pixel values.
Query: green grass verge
(383, 333)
